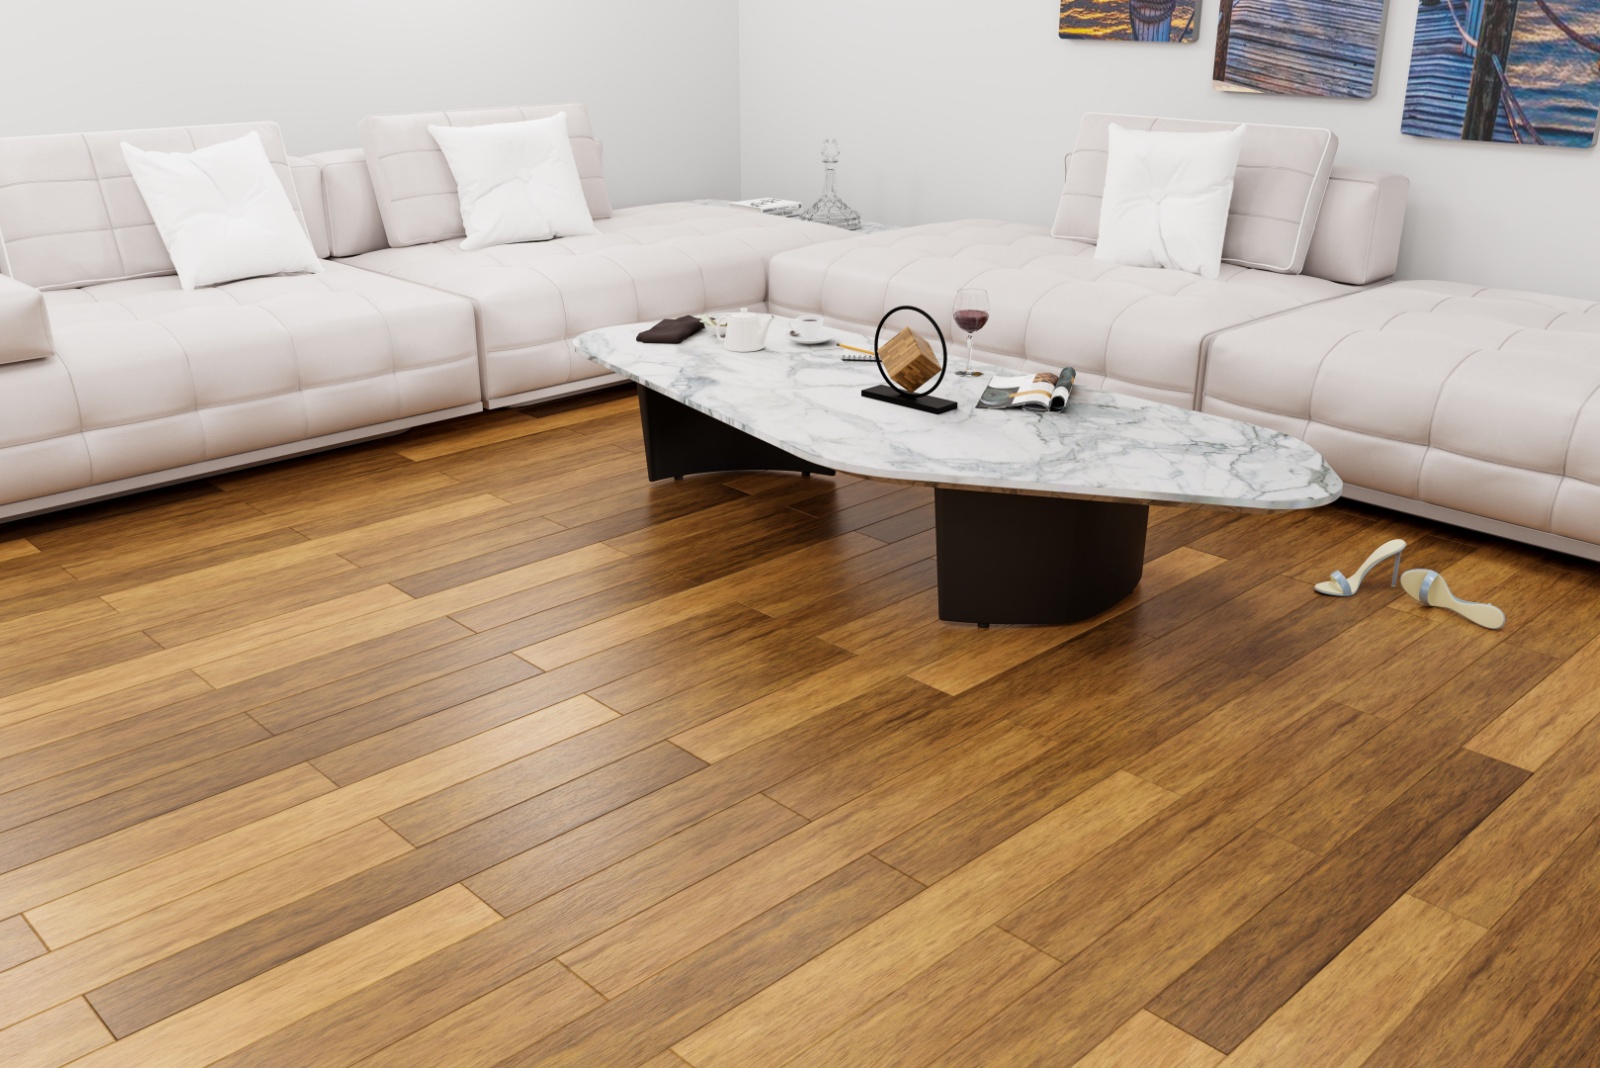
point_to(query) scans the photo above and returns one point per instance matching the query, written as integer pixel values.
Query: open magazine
(1042, 392)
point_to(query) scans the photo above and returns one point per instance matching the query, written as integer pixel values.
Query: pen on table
(852, 348)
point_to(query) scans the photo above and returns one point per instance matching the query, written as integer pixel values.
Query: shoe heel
(1394, 580)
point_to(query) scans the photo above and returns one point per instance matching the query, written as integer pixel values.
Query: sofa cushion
(646, 263)
(1479, 400)
(1135, 330)
(1277, 189)
(416, 192)
(148, 377)
(70, 214)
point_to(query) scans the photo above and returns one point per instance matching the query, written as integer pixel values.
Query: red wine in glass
(971, 320)
(971, 315)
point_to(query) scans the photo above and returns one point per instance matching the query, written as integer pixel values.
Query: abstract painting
(1298, 47)
(1165, 21)
(1520, 71)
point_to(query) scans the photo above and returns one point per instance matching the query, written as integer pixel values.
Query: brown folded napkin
(672, 331)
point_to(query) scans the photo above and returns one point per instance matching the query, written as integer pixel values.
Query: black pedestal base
(680, 441)
(922, 402)
(1010, 558)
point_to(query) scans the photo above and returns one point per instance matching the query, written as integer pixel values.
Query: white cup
(810, 328)
(747, 332)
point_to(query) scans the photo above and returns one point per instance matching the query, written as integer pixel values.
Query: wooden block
(805, 1005)
(53, 1038)
(1150, 1042)
(909, 360)
(1347, 1009)
(937, 1009)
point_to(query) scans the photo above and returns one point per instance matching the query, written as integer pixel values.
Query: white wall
(947, 109)
(659, 78)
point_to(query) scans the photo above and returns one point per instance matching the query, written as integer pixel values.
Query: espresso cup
(810, 328)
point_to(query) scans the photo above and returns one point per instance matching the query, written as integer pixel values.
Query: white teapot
(747, 331)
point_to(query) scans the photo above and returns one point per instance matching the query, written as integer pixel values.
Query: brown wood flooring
(470, 747)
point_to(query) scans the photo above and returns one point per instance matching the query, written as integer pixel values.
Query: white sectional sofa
(1299, 232)
(120, 380)
(392, 209)
(114, 379)
(1470, 405)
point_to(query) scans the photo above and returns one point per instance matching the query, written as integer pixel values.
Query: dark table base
(1002, 557)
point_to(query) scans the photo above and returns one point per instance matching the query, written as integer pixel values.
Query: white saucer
(820, 341)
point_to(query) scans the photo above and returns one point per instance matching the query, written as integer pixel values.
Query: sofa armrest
(24, 323)
(354, 223)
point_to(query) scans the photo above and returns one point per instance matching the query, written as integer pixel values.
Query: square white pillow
(517, 181)
(1166, 198)
(221, 212)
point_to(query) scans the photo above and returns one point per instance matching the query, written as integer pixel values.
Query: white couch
(392, 209)
(1299, 232)
(1470, 405)
(117, 379)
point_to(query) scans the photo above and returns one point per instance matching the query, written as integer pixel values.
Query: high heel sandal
(1339, 586)
(1430, 590)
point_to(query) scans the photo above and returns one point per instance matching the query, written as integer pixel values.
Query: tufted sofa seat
(1457, 402)
(647, 263)
(393, 208)
(1134, 330)
(113, 378)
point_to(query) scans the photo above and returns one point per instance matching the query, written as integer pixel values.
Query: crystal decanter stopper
(829, 208)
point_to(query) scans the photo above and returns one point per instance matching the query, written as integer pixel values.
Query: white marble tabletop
(1105, 446)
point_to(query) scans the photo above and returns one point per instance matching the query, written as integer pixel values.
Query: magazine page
(1063, 390)
(1020, 391)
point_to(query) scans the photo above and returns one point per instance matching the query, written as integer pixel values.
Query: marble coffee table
(1040, 517)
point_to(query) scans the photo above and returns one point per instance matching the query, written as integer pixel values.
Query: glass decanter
(829, 208)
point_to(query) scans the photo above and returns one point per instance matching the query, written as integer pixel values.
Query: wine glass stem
(968, 369)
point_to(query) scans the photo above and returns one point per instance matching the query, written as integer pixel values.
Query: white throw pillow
(1166, 198)
(517, 181)
(221, 212)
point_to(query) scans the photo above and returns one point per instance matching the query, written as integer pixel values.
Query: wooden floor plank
(936, 1010)
(1150, 1042)
(276, 787)
(243, 1013)
(813, 1000)
(1250, 975)
(53, 1038)
(1339, 1017)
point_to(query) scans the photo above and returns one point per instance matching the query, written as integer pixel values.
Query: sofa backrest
(71, 216)
(415, 190)
(1277, 190)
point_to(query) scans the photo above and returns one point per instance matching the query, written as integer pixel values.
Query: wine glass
(972, 315)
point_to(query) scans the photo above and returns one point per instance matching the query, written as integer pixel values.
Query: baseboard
(1482, 524)
(548, 393)
(156, 479)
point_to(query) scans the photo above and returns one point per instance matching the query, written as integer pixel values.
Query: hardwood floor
(470, 747)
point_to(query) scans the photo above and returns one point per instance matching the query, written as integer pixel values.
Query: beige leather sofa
(1474, 406)
(393, 210)
(1300, 231)
(115, 379)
